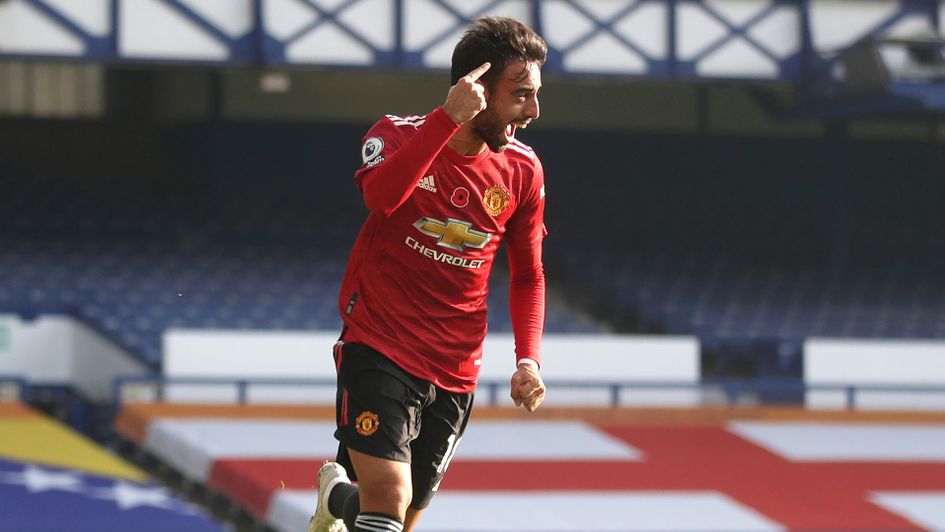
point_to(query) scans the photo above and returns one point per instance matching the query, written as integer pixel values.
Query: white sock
(374, 522)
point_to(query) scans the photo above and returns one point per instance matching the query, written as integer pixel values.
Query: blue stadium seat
(132, 265)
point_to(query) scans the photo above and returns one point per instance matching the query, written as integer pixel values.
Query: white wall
(212, 353)
(62, 350)
(574, 357)
(307, 355)
(37, 350)
(96, 362)
(875, 362)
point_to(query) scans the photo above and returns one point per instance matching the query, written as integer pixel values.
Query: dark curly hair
(500, 41)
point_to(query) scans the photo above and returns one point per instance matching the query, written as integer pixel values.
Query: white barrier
(307, 355)
(62, 350)
(875, 362)
(603, 358)
(226, 354)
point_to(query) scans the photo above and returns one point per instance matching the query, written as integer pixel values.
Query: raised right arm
(387, 185)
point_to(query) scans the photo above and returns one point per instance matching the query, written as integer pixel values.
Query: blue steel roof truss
(98, 47)
(656, 67)
(276, 49)
(808, 66)
(819, 93)
(786, 67)
(415, 59)
(241, 48)
(907, 8)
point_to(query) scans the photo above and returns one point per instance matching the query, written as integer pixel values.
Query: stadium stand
(133, 258)
(695, 244)
(138, 196)
(710, 237)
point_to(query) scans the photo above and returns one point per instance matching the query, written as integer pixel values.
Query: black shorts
(385, 412)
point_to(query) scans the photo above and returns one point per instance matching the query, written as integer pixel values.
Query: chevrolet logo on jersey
(454, 234)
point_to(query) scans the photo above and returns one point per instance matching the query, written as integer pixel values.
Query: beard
(495, 133)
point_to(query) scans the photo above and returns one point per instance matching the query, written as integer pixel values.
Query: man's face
(512, 102)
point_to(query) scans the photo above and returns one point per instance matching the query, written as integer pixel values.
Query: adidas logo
(427, 184)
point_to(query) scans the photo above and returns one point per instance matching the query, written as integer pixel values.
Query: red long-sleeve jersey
(416, 284)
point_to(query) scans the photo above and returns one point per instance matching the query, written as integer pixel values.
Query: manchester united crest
(496, 199)
(367, 423)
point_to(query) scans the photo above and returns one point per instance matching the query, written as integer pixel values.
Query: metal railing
(732, 391)
(160, 384)
(13, 388)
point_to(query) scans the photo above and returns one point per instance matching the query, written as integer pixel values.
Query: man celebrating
(443, 190)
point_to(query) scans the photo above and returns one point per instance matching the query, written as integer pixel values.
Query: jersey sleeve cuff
(439, 119)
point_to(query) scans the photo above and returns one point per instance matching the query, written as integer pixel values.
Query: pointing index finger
(479, 71)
